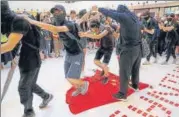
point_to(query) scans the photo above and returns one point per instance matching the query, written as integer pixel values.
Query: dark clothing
(161, 42)
(151, 24)
(172, 39)
(130, 59)
(107, 42)
(28, 86)
(29, 57)
(130, 34)
(130, 45)
(153, 44)
(71, 45)
(152, 38)
(106, 53)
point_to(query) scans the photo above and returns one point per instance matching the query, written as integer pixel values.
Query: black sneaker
(30, 113)
(45, 102)
(134, 87)
(120, 96)
(105, 80)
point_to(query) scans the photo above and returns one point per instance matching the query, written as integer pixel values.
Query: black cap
(82, 12)
(58, 7)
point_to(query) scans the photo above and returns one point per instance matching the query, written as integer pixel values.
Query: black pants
(161, 46)
(153, 49)
(171, 51)
(104, 52)
(130, 59)
(28, 86)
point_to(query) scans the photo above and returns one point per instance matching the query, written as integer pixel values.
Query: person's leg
(125, 64)
(173, 54)
(25, 89)
(98, 56)
(40, 92)
(49, 48)
(106, 60)
(169, 51)
(73, 72)
(155, 47)
(150, 53)
(135, 70)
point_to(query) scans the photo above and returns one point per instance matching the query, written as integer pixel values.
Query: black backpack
(71, 36)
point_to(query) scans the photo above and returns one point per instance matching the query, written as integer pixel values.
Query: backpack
(71, 36)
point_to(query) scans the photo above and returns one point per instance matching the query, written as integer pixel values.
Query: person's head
(73, 14)
(59, 14)
(5, 11)
(94, 26)
(146, 15)
(171, 17)
(82, 13)
(122, 9)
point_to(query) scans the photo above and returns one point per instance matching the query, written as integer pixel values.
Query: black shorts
(106, 53)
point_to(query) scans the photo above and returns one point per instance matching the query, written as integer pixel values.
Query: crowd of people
(45, 36)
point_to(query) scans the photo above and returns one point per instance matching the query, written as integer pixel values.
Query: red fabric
(97, 95)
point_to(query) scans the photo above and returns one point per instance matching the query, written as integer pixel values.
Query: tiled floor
(51, 78)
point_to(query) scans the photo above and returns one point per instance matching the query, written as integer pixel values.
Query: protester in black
(130, 45)
(171, 38)
(151, 31)
(29, 63)
(68, 33)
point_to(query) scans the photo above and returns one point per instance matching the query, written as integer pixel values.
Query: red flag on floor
(97, 95)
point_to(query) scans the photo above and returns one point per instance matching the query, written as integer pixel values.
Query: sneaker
(45, 102)
(29, 114)
(84, 88)
(164, 63)
(76, 92)
(120, 96)
(134, 87)
(146, 63)
(105, 80)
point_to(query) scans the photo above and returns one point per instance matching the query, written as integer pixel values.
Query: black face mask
(59, 19)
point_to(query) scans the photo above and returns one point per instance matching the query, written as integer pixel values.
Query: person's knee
(96, 62)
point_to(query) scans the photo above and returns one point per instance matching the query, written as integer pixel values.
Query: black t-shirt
(150, 24)
(29, 57)
(107, 42)
(71, 45)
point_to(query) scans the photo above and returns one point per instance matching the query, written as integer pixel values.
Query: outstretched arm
(49, 27)
(13, 40)
(92, 36)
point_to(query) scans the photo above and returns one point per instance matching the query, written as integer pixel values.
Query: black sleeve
(20, 25)
(70, 26)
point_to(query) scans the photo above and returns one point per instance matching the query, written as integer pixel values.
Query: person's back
(130, 32)
(71, 45)
(29, 54)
